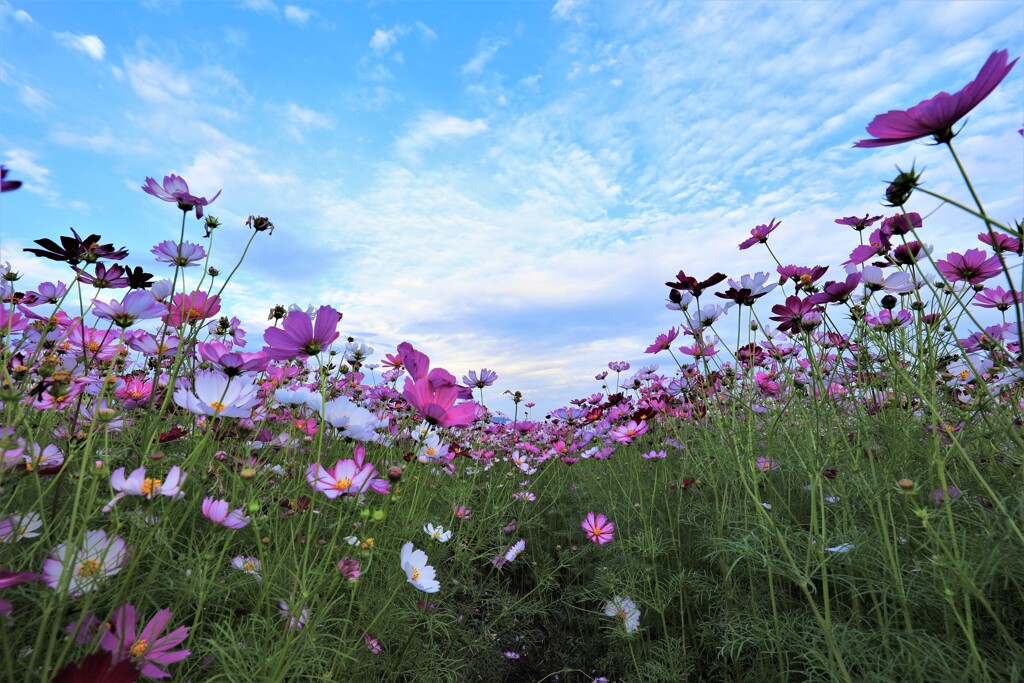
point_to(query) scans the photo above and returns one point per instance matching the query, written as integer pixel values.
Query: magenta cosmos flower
(937, 116)
(299, 338)
(147, 648)
(98, 557)
(191, 308)
(435, 404)
(598, 528)
(759, 234)
(971, 266)
(175, 189)
(136, 305)
(346, 477)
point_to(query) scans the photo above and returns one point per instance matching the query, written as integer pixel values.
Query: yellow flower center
(248, 566)
(88, 568)
(415, 574)
(139, 647)
(217, 406)
(437, 534)
(343, 484)
(149, 485)
(964, 374)
(93, 346)
(805, 279)
(430, 450)
(621, 613)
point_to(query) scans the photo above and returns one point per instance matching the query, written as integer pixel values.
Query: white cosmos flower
(438, 533)
(421, 574)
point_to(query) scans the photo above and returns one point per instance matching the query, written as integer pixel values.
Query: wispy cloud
(302, 120)
(86, 44)
(297, 15)
(433, 127)
(487, 49)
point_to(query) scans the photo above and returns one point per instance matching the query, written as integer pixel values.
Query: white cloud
(383, 40)
(486, 50)
(302, 120)
(433, 127)
(262, 6)
(297, 15)
(32, 98)
(565, 8)
(86, 44)
(427, 34)
(154, 81)
(19, 15)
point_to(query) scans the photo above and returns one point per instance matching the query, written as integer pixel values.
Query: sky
(505, 185)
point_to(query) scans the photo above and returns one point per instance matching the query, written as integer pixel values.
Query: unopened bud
(906, 484)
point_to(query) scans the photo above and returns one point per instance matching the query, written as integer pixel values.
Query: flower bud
(906, 484)
(247, 473)
(394, 474)
(889, 302)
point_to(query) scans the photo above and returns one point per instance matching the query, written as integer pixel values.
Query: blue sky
(505, 185)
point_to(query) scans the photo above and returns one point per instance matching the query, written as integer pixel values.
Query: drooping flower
(175, 189)
(421, 574)
(598, 528)
(625, 609)
(219, 512)
(98, 557)
(938, 115)
(298, 337)
(147, 648)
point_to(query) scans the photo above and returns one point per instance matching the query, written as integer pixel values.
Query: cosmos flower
(663, 341)
(421, 574)
(349, 568)
(766, 464)
(625, 609)
(436, 404)
(759, 234)
(627, 432)
(515, 550)
(147, 648)
(74, 250)
(997, 297)
(971, 266)
(346, 477)
(191, 308)
(937, 115)
(98, 557)
(485, 379)
(858, 224)
(5, 184)
(249, 565)
(598, 528)
(175, 189)
(437, 533)
(187, 255)
(138, 484)
(218, 512)
(136, 305)
(298, 337)
(21, 526)
(218, 395)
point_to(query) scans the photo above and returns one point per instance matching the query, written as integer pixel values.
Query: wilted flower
(260, 224)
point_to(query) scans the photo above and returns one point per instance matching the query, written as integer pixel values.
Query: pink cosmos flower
(759, 234)
(349, 568)
(998, 298)
(766, 464)
(147, 648)
(971, 266)
(98, 557)
(217, 511)
(175, 189)
(435, 404)
(654, 455)
(372, 644)
(346, 477)
(627, 432)
(663, 341)
(299, 338)
(218, 395)
(598, 528)
(191, 308)
(232, 363)
(937, 116)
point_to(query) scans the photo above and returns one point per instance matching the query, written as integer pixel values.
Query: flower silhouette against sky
(937, 116)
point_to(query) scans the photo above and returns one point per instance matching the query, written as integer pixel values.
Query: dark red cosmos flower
(690, 284)
(796, 314)
(7, 185)
(937, 116)
(96, 668)
(74, 250)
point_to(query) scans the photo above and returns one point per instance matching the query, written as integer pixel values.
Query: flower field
(824, 488)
